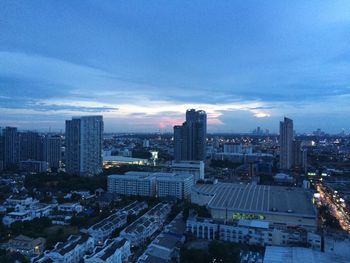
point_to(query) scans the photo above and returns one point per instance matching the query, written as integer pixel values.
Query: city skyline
(142, 65)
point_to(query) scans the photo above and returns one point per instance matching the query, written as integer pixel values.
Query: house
(72, 251)
(70, 208)
(144, 227)
(26, 245)
(112, 251)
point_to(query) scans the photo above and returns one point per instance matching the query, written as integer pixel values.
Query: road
(331, 199)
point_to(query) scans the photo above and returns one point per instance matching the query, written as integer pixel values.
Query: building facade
(33, 166)
(72, 250)
(189, 167)
(112, 251)
(105, 228)
(174, 185)
(252, 232)
(151, 184)
(190, 138)
(30, 146)
(83, 153)
(144, 227)
(132, 183)
(52, 151)
(26, 246)
(11, 147)
(286, 144)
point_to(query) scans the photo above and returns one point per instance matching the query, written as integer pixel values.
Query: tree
(141, 153)
(194, 256)
(224, 252)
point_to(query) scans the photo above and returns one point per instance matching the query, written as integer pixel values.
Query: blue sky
(143, 63)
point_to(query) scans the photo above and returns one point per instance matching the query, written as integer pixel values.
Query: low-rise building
(25, 245)
(19, 203)
(35, 211)
(34, 166)
(72, 251)
(275, 254)
(166, 246)
(241, 157)
(112, 251)
(281, 206)
(252, 232)
(196, 168)
(113, 161)
(60, 219)
(283, 178)
(70, 208)
(145, 226)
(104, 229)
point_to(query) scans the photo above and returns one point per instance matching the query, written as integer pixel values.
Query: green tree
(194, 256)
(224, 252)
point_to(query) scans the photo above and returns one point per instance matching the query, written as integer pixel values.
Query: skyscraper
(11, 147)
(299, 155)
(1, 150)
(52, 151)
(30, 146)
(190, 137)
(286, 143)
(83, 153)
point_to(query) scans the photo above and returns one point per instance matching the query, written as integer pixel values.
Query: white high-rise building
(232, 148)
(132, 183)
(84, 137)
(286, 143)
(174, 185)
(196, 168)
(151, 184)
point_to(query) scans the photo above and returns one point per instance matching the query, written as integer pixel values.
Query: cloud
(143, 65)
(144, 104)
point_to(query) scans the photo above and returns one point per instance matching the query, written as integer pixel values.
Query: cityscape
(172, 132)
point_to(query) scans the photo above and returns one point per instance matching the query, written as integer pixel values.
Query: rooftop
(258, 198)
(111, 248)
(193, 164)
(71, 243)
(172, 176)
(254, 223)
(118, 158)
(132, 175)
(275, 254)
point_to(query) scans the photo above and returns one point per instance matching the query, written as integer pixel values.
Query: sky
(141, 64)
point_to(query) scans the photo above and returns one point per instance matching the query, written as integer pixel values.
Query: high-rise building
(30, 146)
(52, 151)
(83, 152)
(196, 168)
(151, 184)
(190, 137)
(1, 150)
(11, 147)
(299, 155)
(286, 143)
(233, 148)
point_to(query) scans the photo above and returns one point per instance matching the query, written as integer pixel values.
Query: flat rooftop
(118, 158)
(275, 254)
(258, 198)
(187, 164)
(132, 176)
(172, 176)
(148, 175)
(254, 223)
